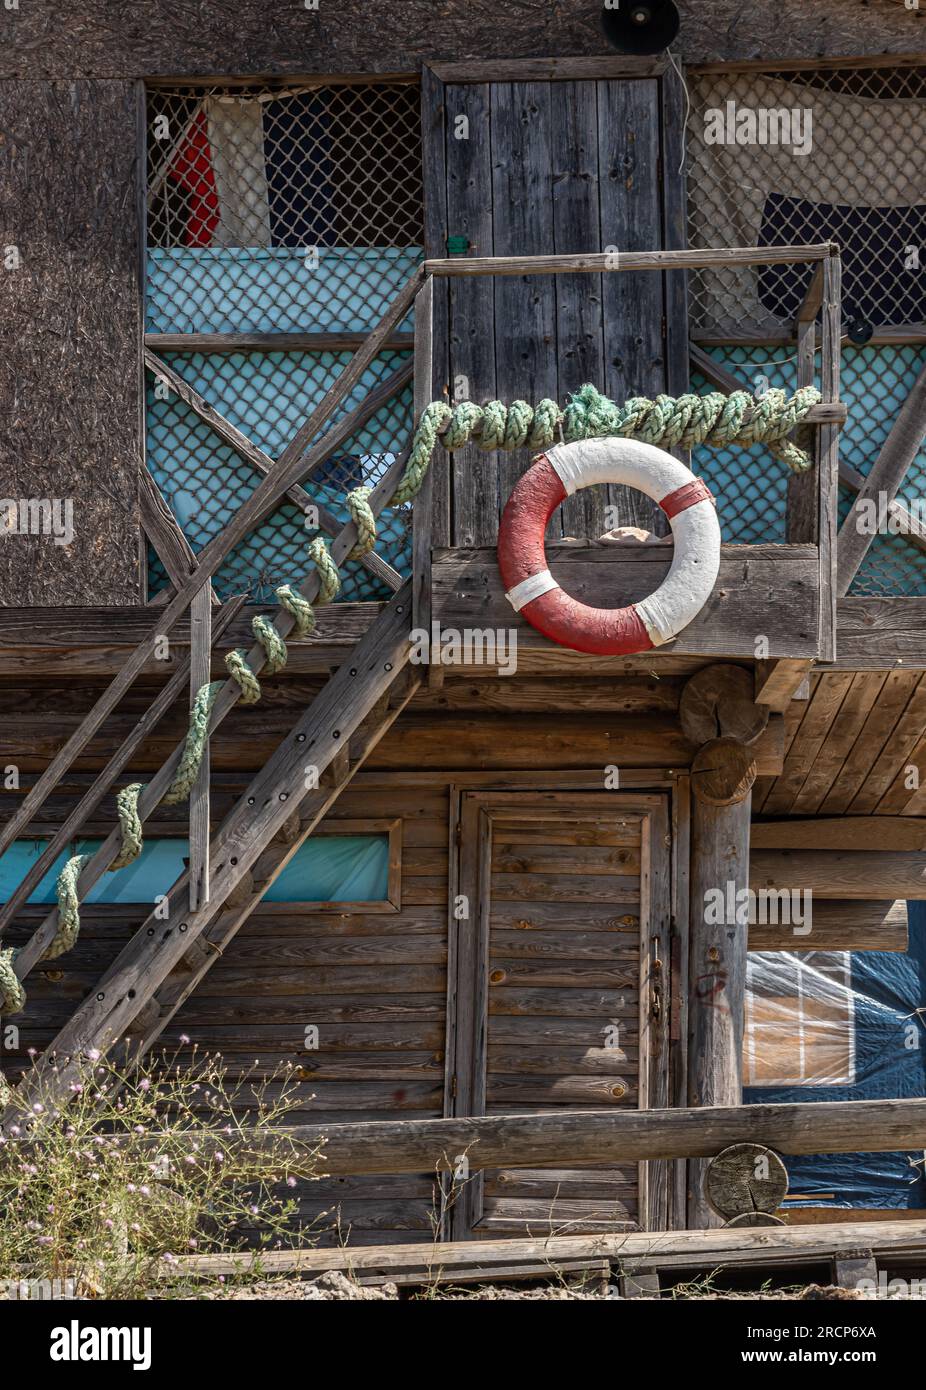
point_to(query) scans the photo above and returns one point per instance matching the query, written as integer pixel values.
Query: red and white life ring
(531, 589)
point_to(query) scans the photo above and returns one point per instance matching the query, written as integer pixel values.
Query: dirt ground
(337, 1287)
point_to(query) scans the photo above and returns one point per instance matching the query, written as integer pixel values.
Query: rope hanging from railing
(685, 422)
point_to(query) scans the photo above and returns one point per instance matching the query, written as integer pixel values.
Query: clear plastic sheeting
(828, 1025)
(800, 1019)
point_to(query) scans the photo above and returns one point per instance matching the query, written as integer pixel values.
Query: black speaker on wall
(645, 27)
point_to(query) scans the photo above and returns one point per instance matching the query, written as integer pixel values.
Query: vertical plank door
(559, 956)
(516, 168)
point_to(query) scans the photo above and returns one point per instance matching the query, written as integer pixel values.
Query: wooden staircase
(169, 954)
(231, 870)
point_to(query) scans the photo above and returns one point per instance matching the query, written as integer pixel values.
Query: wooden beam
(768, 589)
(829, 873)
(801, 506)
(881, 633)
(448, 1261)
(587, 69)
(421, 518)
(595, 262)
(906, 524)
(841, 832)
(226, 700)
(838, 926)
(603, 1137)
(716, 967)
(810, 305)
(173, 549)
(827, 458)
(888, 471)
(777, 682)
(223, 343)
(200, 654)
(293, 463)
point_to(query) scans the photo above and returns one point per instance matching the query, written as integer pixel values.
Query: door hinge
(458, 833)
(453, 1087)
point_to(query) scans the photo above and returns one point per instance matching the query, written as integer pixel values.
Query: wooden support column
(722, 775)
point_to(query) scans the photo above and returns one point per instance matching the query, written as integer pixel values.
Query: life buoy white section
(563, 470)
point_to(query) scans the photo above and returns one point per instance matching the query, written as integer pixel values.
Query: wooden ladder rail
(34, 949)
(202, 955)
(352, 694)
(298, 460)
(91, 799)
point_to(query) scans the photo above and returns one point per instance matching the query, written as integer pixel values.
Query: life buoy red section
(532, 590)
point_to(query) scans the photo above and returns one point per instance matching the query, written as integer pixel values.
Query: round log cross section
(722, 772)
(717, 702)
(744, 1181)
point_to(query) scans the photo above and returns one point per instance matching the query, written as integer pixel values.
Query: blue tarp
(889, 1035)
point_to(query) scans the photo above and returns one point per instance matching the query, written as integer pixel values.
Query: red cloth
(192, 170)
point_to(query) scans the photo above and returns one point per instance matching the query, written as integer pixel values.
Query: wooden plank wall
(70, 336)
(374, 984)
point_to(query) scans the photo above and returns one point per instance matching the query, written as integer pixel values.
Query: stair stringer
(319, 739)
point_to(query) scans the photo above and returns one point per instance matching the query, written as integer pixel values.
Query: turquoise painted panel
(264, 290)
(327, 868)
(335, 868)
(155, 869)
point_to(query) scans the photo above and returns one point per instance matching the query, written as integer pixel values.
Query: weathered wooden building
(242, 251)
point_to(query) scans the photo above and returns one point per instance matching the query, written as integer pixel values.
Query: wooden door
(559, 965)
(536, 167)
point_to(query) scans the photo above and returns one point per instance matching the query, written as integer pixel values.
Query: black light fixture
(859, 331)
(646, 27)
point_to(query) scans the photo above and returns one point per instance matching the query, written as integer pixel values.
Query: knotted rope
(715, 419)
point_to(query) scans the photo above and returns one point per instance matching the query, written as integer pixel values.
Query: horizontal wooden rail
(653, 1249)
(596, 262)
(223, 343)
(591, 1136)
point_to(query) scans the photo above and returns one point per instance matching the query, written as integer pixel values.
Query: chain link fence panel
(292, 210)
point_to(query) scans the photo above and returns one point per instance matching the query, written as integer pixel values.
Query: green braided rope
(715, 419)
(194, 746)
(12, 994)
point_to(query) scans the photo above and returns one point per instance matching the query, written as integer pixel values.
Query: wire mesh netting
(797, 156)
(296, 210)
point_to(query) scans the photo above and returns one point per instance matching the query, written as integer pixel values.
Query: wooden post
(200, 661)
(423, 394)
(718, 942)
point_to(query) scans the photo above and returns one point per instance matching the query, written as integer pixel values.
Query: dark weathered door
(557, 996)
(536, 167)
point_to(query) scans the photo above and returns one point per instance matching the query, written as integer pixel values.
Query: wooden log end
(722, 772)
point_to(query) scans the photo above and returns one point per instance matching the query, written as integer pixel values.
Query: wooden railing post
(200, 663)
(423, 394)
(828, 456)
